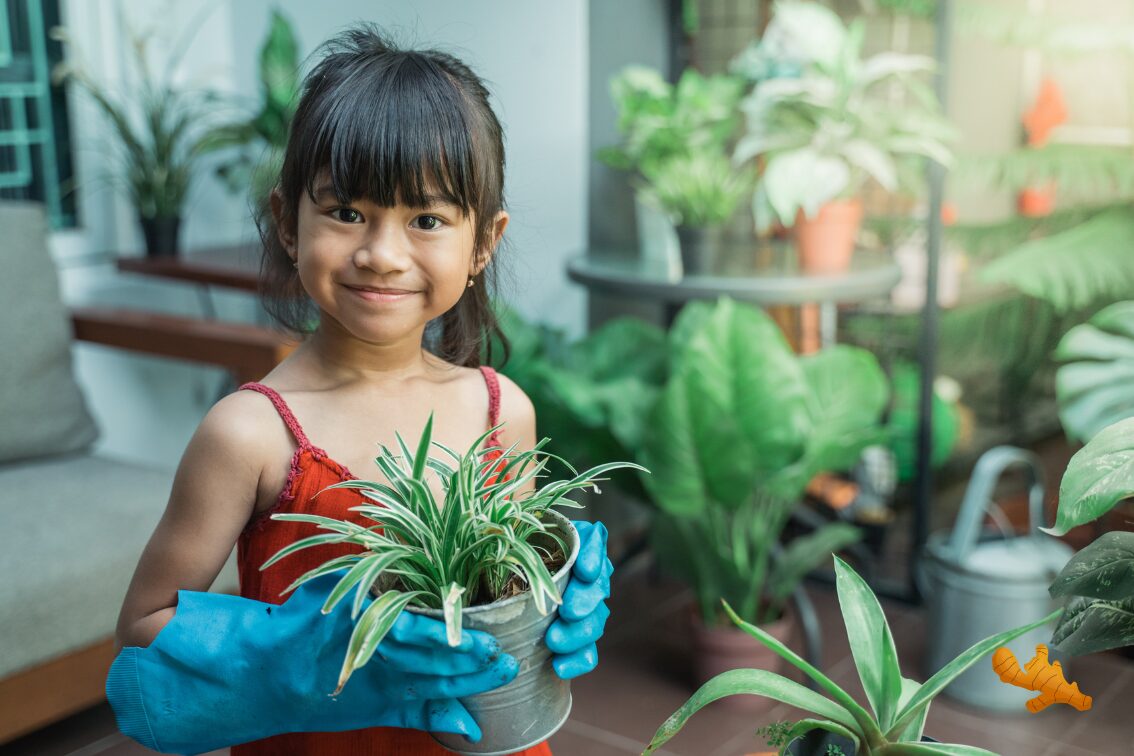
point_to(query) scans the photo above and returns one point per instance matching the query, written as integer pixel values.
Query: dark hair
(387, 124)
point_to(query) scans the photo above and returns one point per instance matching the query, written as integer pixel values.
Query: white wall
(534, 59)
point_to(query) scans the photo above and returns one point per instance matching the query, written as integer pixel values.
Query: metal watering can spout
(989, 468)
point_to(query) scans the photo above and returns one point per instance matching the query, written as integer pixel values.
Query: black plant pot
(161, 235)
(815, 742)
(699, 248)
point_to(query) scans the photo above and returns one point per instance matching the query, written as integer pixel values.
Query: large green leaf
(622, 347)
(871, 643)
(1100, 475)
(1075, 268)
(758, 682)
(1092, 625)
(733, 411)
(279, 74)
(1103, 569)
(1095, 387)
(848, 393)
(916, 727)
(848, 387)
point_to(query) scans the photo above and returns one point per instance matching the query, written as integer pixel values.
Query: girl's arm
(200, 671)
(213, 496)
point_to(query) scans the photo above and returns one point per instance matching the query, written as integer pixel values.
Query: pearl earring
(295, 264)
(470, 283)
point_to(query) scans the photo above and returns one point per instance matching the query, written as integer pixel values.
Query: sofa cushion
(73, 530)
(41, 409)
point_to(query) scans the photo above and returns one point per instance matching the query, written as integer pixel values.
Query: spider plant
(481, 544)
(899, 705)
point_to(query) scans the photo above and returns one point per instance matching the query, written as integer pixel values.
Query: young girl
(380, 232)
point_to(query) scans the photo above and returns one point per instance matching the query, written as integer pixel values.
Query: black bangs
(395, 129)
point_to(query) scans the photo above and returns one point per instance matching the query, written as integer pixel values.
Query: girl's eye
(346, 214)
(428, 222)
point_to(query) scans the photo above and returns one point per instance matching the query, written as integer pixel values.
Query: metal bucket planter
(979, 586)
(531, 708)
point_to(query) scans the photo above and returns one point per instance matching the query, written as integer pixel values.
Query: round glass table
(765, 274)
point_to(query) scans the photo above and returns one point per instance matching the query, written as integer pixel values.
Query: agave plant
(899, 706)
(161, 129)
(478, 545)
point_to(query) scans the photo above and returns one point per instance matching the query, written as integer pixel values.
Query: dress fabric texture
(311, 472)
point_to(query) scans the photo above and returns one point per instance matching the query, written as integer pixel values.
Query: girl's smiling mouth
(372, 294)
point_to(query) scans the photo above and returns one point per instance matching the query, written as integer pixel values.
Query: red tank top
(311, 472)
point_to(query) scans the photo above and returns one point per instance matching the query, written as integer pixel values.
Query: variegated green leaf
(291, 548)
(372, 627)
(758, 682)
(871, 643)
(452, 613)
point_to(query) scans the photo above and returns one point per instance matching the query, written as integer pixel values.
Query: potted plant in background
(898, 706)
(262, 138)
(700, 193)
(822, 121)
(676, 141)
(483, 558)
(741, 425)
(162, 131)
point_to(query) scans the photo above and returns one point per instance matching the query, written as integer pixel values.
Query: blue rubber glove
(583, 614)
(228, 670)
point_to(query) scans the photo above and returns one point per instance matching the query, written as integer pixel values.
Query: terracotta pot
(825, 243)
(1036, 201)
(719, 649)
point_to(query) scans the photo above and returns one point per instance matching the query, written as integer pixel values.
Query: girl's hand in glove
(582, 616)
(227, 670)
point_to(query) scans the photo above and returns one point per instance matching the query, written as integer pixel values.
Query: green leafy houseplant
(741, 425)
(675, 138)
(1093, 389)
(481, 544)
(816, 118)
(592, 395)
(162, 130)
(898, 705)
(268, 129)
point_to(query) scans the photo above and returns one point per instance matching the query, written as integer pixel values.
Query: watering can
(979, 583)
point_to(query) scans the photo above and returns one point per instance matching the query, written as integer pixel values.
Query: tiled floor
(643, 678)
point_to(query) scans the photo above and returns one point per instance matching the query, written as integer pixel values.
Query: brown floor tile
(581, 739)
(66, 736)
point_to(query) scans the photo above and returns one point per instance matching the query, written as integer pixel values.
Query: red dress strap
(493, 383)
(285, 413)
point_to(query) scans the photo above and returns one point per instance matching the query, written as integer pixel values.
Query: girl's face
(383, 273)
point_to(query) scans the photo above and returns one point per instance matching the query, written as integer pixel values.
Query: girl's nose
(382, 253)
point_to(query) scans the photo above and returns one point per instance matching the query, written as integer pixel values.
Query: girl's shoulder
(245, 419)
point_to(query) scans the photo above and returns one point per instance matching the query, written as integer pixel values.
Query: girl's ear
(286, 239)
(498, 226)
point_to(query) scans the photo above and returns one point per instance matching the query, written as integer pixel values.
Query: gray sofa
(73, 524)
